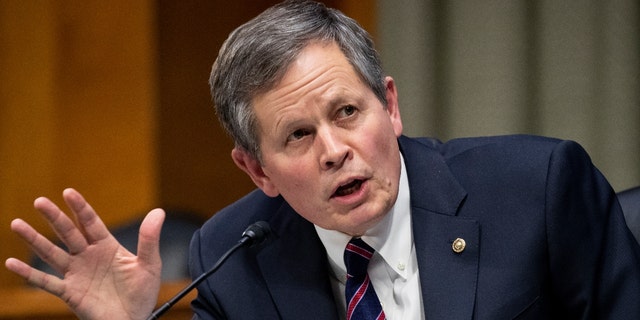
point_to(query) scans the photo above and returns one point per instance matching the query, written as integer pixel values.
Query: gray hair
(257, 55)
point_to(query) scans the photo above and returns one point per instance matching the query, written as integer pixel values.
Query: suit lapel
(295, 269)
(295, 266)
(448, 279)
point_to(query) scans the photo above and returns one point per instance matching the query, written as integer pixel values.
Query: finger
(62, 225)
(93, 227)
(47, 282)
(50, 253)
(149, 238)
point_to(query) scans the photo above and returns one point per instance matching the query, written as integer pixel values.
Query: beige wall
(568, 69)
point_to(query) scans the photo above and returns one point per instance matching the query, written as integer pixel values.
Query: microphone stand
(255, 233)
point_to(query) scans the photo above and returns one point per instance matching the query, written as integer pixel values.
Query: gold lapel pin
(458, 245)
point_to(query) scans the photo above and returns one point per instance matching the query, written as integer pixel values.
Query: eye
(297, 135)
(347, 111)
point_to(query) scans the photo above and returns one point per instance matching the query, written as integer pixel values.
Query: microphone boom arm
(255, 233)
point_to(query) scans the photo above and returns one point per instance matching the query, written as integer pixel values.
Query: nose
(334, 149)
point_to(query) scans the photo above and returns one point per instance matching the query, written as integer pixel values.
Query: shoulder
(516, 144)
(522, 148)
(495, 149)
(225, 227)
(517, 162)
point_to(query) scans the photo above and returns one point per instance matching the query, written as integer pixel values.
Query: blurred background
(567, 69)
(111, 98)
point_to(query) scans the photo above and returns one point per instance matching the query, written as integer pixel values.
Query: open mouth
(348, 188)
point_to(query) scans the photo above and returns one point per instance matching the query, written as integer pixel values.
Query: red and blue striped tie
(362, 301)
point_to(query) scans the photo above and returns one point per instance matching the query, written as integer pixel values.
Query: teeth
(349, 188)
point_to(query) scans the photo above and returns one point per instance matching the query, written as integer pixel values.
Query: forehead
(313, 60)
(317, 63)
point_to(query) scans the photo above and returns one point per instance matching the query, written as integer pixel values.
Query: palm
(102, 279)
(114, 272)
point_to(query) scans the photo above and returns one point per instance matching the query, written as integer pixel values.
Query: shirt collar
(395, 225)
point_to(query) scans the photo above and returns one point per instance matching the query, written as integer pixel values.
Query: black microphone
(254, 234)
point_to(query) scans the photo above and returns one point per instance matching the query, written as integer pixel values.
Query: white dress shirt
(393, 269)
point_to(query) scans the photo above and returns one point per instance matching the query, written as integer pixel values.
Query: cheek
(386, 163)
(293, 178)
(381, 149)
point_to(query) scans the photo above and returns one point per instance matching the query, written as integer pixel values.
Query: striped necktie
(362, 301)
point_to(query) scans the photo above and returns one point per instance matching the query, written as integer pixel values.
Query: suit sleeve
(594, 259)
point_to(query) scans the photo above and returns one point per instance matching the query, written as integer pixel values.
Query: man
(487, 228)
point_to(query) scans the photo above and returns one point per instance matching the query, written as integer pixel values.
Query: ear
(252, 167)
(392, 105)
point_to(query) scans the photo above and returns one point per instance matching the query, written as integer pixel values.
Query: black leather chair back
(630, 202)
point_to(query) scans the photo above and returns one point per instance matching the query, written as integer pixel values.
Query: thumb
(149, 238)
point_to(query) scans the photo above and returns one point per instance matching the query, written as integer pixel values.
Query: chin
(359, 227)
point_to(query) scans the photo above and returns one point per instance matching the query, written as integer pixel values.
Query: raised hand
(102, 280)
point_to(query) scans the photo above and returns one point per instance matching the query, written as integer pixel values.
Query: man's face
(328, 145)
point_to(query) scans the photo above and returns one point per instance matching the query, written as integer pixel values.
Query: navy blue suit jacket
(546, 239)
